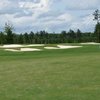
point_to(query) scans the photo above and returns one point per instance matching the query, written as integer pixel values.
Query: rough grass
(71, 74)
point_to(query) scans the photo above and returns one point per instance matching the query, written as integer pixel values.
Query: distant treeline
(44, 37)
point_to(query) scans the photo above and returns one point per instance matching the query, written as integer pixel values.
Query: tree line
(43, 37)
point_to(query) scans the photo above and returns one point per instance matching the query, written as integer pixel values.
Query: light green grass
(70, 74)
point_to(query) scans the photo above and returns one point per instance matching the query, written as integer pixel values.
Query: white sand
(93, 43)
(62, 47)
(29, 49)
(19, 46)
(23, 49)
(12, 46)
(14, 50)
(8, 47)
(36, 45)
(51, 48)
(67, 47)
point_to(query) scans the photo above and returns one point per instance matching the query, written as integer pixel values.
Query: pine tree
(79, 36)
(97, 27)
(97, 32)
(8, 30)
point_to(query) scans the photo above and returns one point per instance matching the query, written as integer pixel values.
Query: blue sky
(49, 15)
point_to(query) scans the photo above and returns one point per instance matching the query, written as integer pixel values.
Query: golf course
(51, 74)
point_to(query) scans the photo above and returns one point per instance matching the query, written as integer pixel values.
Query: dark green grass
(72, 74)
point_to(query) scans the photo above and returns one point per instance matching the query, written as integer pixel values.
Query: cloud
(83, 4)
(85, 24)
(8, 7)
(51, 15)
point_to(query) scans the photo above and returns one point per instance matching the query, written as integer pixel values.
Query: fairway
(60, 74)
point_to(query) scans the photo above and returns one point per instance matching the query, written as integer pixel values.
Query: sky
(48, 15)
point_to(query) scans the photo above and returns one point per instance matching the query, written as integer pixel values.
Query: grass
(71, 74)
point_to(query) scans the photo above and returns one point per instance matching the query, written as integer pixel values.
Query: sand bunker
(12, 46)
(51, 48)
(29, 49)
(67, 47)
(23, 49)
(19, 46)
(35, 45)
(93, 43)
(62, 47)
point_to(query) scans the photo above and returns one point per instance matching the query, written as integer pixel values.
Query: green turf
(71, 74)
